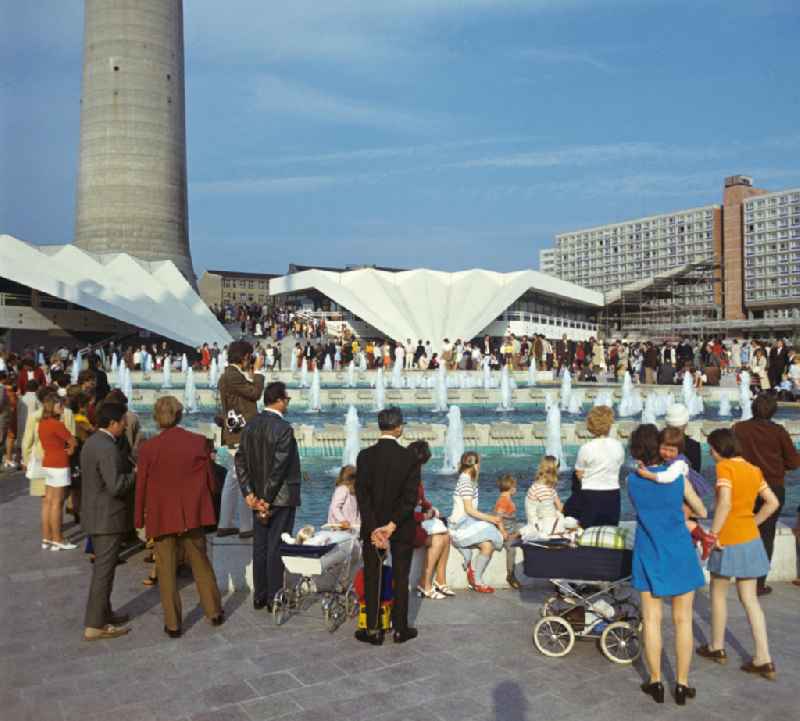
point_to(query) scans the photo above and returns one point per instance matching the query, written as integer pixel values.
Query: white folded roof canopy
(428, 303)
(153, 296)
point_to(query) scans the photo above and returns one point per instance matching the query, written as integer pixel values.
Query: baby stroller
(325, 572)
(593, 600)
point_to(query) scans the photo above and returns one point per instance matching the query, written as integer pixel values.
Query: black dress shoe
(763, 590)
(406, 635)
(118, 619)
(217, 620)
(258, 605)
(222, 532)
(376, 639)
(683, 692)
(656, 690)
(176, 633)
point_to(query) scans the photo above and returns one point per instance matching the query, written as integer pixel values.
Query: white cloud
(576, 155)
(562, 56)
(276, 95)
(258, 186)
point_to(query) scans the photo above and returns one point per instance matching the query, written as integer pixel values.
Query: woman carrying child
(664, 562)
(469, 528)
(740, 551)
(432, 534)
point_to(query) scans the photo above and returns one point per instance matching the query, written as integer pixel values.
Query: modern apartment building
(714, 265)
(772, 254)
(547, 261)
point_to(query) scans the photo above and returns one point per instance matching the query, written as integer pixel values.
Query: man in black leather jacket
(268, 468)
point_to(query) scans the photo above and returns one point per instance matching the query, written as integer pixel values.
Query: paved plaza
(474, 658)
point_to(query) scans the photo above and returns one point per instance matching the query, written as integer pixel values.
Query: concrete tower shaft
(132, 194)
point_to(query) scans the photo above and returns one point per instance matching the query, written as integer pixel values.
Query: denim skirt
(741, 560)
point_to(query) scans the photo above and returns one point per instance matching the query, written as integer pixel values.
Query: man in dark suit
(106, 516)
(268, 468)
(387, 481)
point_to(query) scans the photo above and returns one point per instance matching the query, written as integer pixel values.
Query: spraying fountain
(190, 393)
(313, 396)
(293, 362)
(76, 370)
(397, 376)
(114, 377)
(724, 405)
(487, 376)
(548, 400)
(167, 374)
(184, 363)
(566, 389)
(575, 403)
(650, 407)
(351, 374)
(506, 401)
(454, 441)
(532, 375)
(604, 398)
(147, 362)
(223, 363)
(363, 362)
(631, 403)
(745, 401)
(380, 391)
(120, 377)
(352, 444)
(440, 397)
(327, 365)
(127, 389)
(553, 445)
(691, 399)
(304, 374)
(213, 374)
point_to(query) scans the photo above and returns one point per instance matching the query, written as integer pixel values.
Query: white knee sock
(467, 553)
(480, 567)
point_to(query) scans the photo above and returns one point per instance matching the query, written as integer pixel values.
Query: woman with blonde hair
(597, 470)
(58, 445)
(544, 511)
(469, 528)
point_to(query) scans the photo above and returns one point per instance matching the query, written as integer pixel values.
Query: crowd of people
(85, 443)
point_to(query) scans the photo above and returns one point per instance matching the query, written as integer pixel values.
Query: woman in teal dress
(665, 562)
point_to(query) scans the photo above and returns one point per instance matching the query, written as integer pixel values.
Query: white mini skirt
(56, 477)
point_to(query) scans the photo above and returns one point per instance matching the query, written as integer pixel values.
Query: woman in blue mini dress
(665, 562)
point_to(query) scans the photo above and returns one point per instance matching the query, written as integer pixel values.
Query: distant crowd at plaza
(85, 443)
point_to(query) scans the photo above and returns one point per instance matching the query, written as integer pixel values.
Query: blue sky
(442, 133)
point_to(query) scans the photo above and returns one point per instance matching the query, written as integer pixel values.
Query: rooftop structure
(154, 296)
(433, 305)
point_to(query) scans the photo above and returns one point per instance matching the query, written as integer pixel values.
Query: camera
(234, 422)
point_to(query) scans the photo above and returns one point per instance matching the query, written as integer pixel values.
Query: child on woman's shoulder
(671, 444)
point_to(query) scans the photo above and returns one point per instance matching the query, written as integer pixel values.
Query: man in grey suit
(105, 516)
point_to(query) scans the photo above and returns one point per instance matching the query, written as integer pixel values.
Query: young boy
(671, 451)
(507, 510)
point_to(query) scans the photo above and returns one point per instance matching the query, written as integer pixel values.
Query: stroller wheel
(280, 608)
(620, 642)
(351, 603)
(553, 636)
(335, 615)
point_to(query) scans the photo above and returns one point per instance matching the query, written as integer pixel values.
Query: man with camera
(239, 390)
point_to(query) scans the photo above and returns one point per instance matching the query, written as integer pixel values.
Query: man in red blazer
(173, 504)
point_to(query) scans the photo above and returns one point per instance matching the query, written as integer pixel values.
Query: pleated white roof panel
(152, 296)
(431, 304)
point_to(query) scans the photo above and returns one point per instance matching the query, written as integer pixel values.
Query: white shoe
(46, 544)
(65, 546)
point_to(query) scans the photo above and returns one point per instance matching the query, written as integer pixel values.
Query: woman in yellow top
(740, 551)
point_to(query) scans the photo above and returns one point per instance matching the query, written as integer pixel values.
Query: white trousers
(233, 500)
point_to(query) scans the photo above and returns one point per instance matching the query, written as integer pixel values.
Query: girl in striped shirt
(543, 508)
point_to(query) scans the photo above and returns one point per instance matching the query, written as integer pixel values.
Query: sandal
(150, 581)
(433, 594)
(444, 589)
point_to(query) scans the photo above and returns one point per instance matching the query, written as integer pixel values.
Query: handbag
(432, 526)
